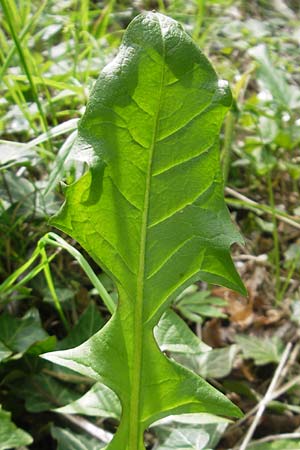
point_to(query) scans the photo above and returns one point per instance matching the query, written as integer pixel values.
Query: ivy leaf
(216, 363)
(184, 438)
(68, 440)
(5, 352)
(262, 350)
(173, 335)
(18, 336)
(98, 401)
(190, 431)
(150, 211)
(10, 435)
(42, 393)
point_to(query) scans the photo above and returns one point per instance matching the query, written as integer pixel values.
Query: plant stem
(287, 281)
(6, 285)
(56, 241)
(33, 273)
(52, 290)
(254, 206)
(275, 238)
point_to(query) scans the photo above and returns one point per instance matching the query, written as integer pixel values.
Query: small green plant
(150, 211)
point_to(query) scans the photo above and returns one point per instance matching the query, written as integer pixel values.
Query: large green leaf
(150, 211)
(172, 334)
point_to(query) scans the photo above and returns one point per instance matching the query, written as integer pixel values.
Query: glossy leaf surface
(150, 211)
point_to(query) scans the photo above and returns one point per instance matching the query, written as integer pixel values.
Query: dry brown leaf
(239, 309)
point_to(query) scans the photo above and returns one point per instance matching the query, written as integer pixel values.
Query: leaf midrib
(135, 422)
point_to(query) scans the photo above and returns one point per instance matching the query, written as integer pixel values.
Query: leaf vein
(122, 194)
(204, 109)
(181, 208)
(165, 261)
(116, 251)
(184, 161)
